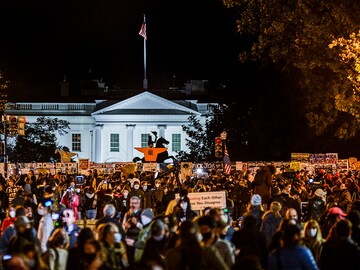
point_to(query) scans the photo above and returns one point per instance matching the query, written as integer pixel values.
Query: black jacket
(315, 208)
(340, 253)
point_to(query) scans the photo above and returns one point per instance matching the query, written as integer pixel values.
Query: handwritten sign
(201, 200)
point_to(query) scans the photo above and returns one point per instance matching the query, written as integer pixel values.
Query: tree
(200, 140)
(349, 55)
(293, 37)
(39, 143)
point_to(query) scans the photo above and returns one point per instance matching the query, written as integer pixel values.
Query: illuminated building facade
(108, 130)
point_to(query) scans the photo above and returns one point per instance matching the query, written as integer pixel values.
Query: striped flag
(143, 30)
(227, 164)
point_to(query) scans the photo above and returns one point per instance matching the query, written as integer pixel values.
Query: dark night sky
(45, 39)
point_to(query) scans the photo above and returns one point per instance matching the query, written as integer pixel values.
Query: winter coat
(264, 188)
(315, 208)
(340, 253)
(270, 224)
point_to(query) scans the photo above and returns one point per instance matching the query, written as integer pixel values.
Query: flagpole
(145, 82)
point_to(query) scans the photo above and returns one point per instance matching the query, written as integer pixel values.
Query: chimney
(64, 87)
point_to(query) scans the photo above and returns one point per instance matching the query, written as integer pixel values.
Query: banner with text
(201, 200)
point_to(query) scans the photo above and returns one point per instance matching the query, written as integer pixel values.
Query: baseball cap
(336, 211)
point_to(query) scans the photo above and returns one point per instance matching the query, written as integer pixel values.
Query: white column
(98, 148)
(161, 129)
(130, 142)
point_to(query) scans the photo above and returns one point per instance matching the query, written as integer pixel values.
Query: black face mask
(222, 236)
(206, 236)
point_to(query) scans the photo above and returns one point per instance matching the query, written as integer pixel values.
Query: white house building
(108, 130)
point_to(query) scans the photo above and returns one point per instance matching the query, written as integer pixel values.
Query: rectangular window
(114, 143)
(144, 139)
(176, 142)
(76, 142)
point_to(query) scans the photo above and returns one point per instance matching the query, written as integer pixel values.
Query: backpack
(258, 179)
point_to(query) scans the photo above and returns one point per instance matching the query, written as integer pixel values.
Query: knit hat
(21, 221)
(255, 200)
(157, 226)
(137, 182)
(147, 215)
(319, 192)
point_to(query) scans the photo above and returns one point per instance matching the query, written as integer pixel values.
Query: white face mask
(159, 238)
(12, 214)
(224, 218)
(145, 220)
(117, 237)
(136, 186)
(30, 263)
(183, 205)
(312, 232)
(77, 190)
(40, 212)
(144, 188)
(89, 195)
(125, 195)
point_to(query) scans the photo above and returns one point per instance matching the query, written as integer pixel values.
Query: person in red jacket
(71, 201)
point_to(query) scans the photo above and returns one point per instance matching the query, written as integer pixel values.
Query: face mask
(90, 195)
(30, 263)
(40, 212)
(183, 206)
(125, 195)
(159, 238)
(222, 236)
(144, 188)
(199, 237)
(12, 214)
(136, 186)
(157, 185)
(224, 218)
(206, 236)
(77, 190)
(312, 232)
(145, 220)
(117, 237)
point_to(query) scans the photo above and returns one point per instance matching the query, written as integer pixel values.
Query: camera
(79, 180)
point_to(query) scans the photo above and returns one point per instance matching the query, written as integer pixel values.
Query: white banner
(201, 200)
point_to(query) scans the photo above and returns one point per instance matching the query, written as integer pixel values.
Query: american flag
(143, 30)
(227, 165)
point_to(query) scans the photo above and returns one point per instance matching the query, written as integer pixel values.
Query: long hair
(311, 223)
(58, 239)
(275, 208)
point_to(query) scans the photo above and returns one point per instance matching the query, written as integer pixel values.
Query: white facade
(93, 124)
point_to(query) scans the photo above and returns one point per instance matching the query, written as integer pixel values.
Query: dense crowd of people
(272, 220)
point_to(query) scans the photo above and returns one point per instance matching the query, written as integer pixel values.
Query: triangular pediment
(146, 102)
